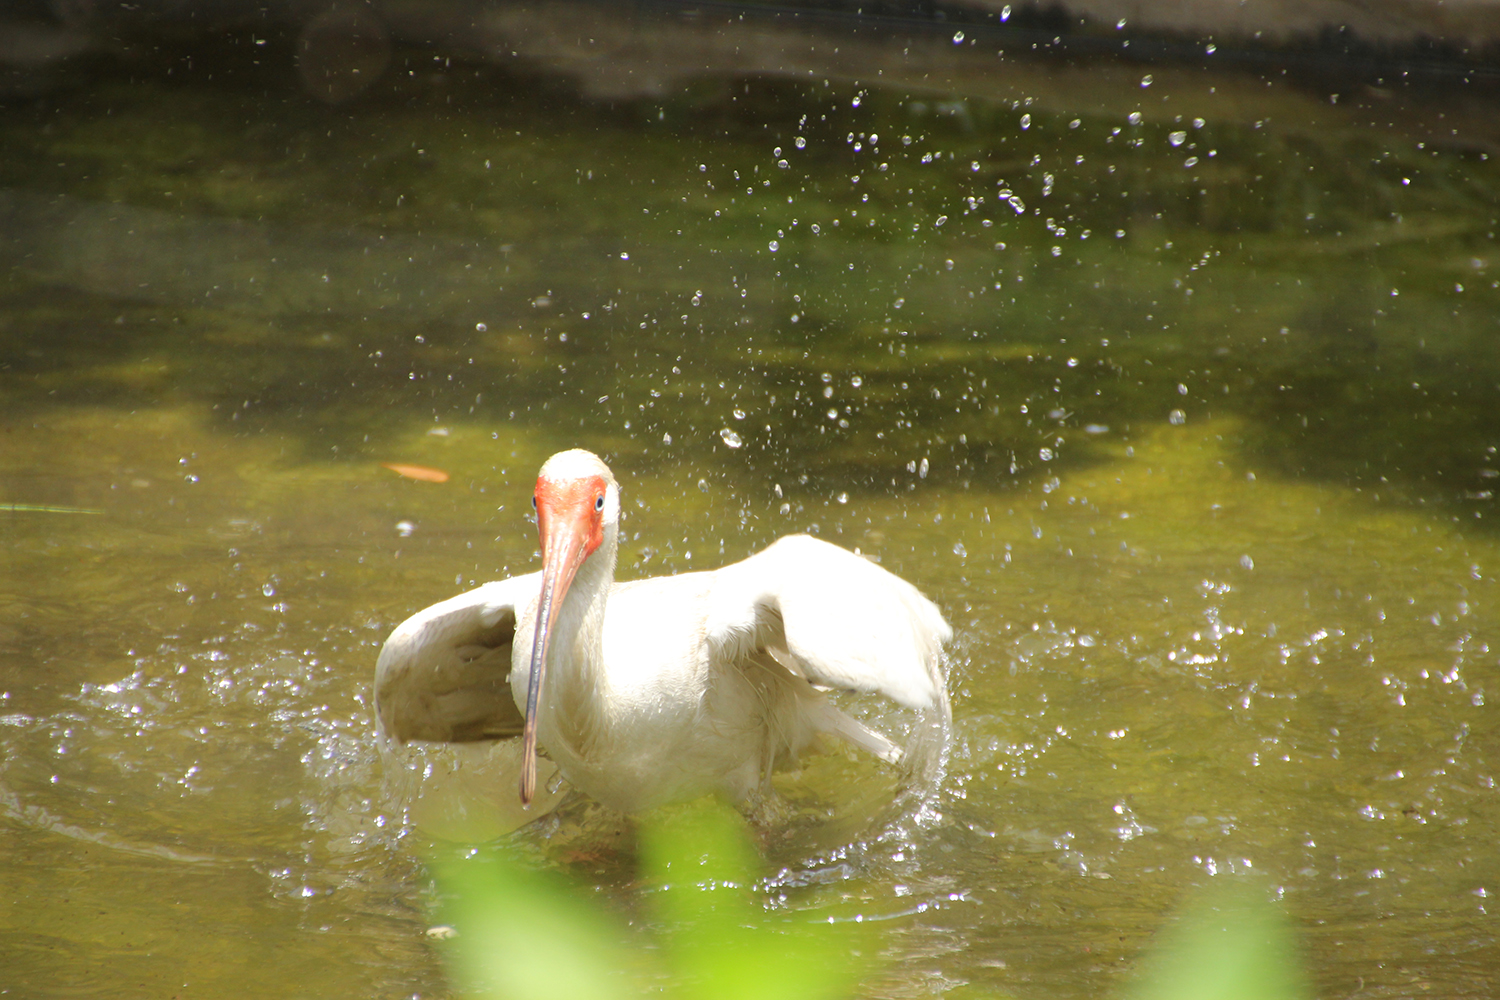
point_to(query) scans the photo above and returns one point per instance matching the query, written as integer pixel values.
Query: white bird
(663, 689)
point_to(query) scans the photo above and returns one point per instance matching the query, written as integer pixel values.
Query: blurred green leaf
(526, 935)
(1232, 944)
(724, 944)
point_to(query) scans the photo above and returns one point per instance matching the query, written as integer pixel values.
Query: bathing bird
(659, 690)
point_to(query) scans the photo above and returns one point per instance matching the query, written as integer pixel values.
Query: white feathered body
(665, 689)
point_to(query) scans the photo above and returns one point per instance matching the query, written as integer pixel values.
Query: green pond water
(1179, 399)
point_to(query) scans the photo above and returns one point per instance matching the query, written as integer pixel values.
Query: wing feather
(444, 673)
(837, 619)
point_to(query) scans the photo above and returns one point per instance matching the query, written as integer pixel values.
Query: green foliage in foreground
(530, 935)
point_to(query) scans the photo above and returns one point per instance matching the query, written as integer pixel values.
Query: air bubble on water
(1247, 562)
(1134, 118)
(842, 498)
(1045, 454)
(1177, 138)
(958, 36)
(833, 413)
(786, 508)
(775, 246)
(405, 528)
(739, 414)
(1026, 121)
(800, 142)
(856, 381)
(959, 550)
(922, 469)
(666, 439)
(1177, 417)
(703, 485)
(1181, 389)
(269, 590)
(730, 438)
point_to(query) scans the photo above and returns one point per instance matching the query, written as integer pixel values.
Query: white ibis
(664, 689)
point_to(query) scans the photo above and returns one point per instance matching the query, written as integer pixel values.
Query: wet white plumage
(669, 688)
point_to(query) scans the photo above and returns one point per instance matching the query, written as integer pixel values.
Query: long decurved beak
(564, 547)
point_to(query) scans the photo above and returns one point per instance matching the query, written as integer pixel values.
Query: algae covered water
(1175, 389)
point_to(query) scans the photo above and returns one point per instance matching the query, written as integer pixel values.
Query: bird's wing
(832, 616)
(444, 673)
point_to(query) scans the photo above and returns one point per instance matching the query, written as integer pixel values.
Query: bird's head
(577, 505)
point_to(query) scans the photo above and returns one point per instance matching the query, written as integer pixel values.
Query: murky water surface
(1180, 400)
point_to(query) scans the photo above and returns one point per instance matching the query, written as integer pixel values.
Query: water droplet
(775, 246)
(624, 256)
(1135, 118)
(1247, 562)
(842, 498)
(1177, 417)
(833, 414)
(739, 414)
(786, 508)
(1181, 389)
(480, 327)
(1005, 13)
(403, 528)
(270, 589)
(782, 164)
(922, 469)
(666, 439)
(959, 550)
(856, 381)
(1045, 454)
(800, 142)
(730, 438)
(1146, 80)
(958, 36)
(1177, 138)
(1026, 121)
(940, 220)
(703, 485)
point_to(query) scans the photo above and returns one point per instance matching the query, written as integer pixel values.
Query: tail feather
(841, 725)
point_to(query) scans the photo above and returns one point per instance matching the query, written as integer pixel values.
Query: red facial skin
(570, 520)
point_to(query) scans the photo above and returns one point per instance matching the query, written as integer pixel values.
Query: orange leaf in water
(421, 472)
